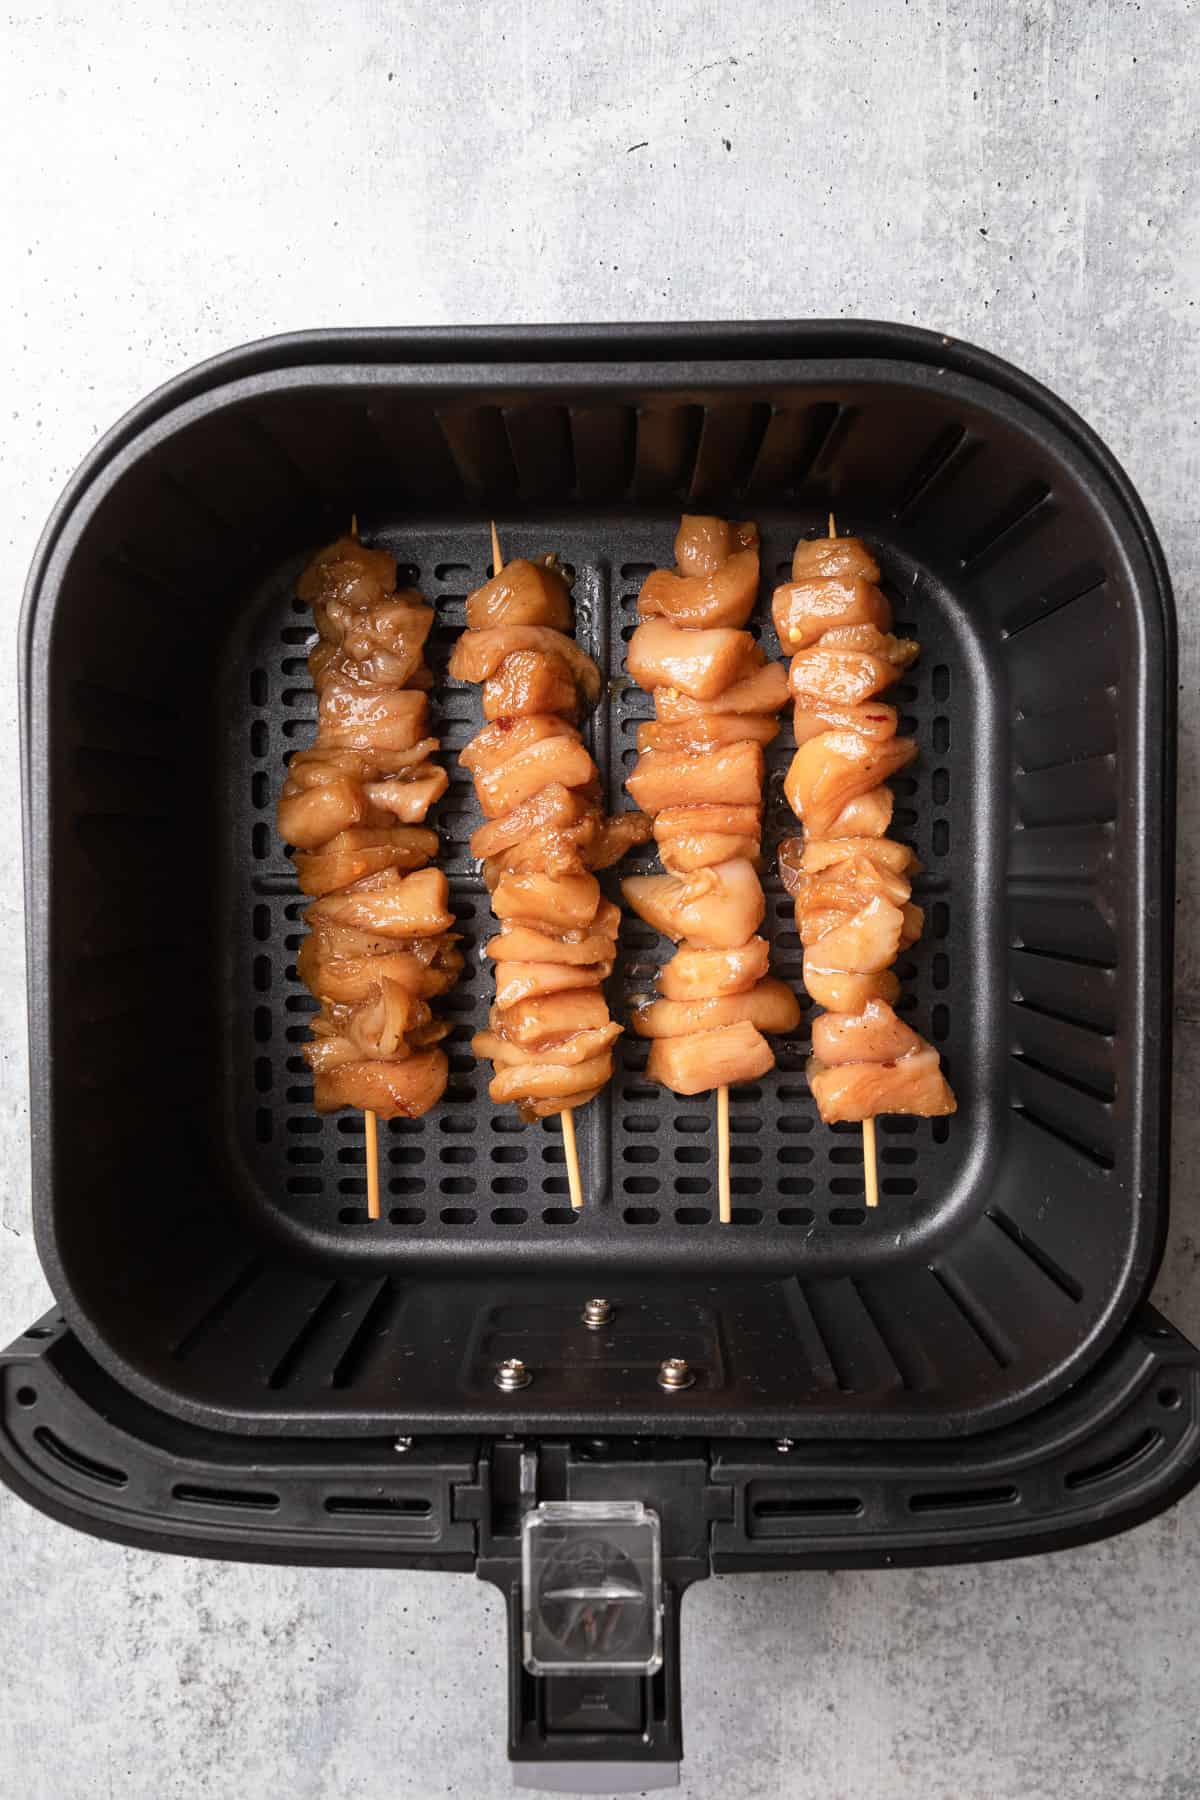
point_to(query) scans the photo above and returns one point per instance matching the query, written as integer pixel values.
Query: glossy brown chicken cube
(710, 1059)
(769, 1005)
(390, 905)
(764, 690)
(350, 855)
(547, 1018)
(856, 1091)
(556, 903)
(391, 1090)
(803, 610)
(531, 681)
(717, 909)
(479, 654)
(831, 770)
(874, 1034)
(844, 557)
(717, 583)
(845, 992)
(700, 974)
(731, 772)
(701, 663)
(523, 593)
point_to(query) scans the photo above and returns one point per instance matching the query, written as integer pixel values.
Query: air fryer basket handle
(598, 1734)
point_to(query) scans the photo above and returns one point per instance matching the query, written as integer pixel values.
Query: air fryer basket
(205, 1231)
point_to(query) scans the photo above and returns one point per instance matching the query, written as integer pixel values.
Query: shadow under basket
(204, 1230)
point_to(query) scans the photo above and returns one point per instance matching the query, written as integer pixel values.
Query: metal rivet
(674, 1373)
(512, 1374)
(783, 1445)
(402, 1446)
(597, 1314)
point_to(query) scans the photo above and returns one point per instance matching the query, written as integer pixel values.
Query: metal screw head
(783, 1445)
(597, 1313)
(402, 1446)
(512, 1374)
(675, 1373)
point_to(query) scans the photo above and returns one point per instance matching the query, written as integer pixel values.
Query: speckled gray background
(187, 177)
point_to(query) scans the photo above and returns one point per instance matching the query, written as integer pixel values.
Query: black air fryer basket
(244, 1366)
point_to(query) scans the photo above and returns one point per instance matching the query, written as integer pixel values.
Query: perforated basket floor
(470, 1178)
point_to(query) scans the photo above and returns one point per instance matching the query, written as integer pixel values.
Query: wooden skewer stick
(870, 1171)
(370, 1122)
(723, 1199)
(570, 1147)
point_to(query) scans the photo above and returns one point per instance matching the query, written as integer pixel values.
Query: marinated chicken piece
(580, 1046)
(695, 974)
(813, 855)
(770, 1005)
(553, 808)
(310, 816)
(856, 1091)
(531, 1110)
(478, 654)
(764, 690)
(872, 1034)
(862, 943)
(494, 746)
(875, 719)
(390, 905)
(373, 719)
(843, 992)
(537, 1024)
(360, 851)
(348, 571)
(804, 609)
(523, 593)
(830, 771)
(710, 1059)
(685, 852)
(847, 558)
(377, 1027)
(700, 663)
(385, 644)
(913, 926)
(615, 836)
(516, 981)
(705, 732)
(562, 903)
(714, 909)
(698, 837)
(565, 852)
(558, 760)
(410, 796)
(531, 681)
(391, 1090)
(717, 583)
(425, 967)
(847, 886)
(523, 943)
(867, 815)
(731, 772)
(549, 1080)
(848, 666)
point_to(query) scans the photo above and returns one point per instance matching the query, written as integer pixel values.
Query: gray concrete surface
(181, 178)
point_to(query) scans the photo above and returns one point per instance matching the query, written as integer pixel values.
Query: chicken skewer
(850, 882)
(379, 943)
(566, 1117)
(550, 1035)
(700, 773)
